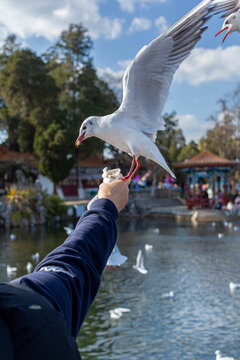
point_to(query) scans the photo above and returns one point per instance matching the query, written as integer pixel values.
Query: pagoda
(206, 168)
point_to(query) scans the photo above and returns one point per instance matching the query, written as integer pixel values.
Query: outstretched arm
(70, 275)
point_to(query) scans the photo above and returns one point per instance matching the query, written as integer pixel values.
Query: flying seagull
(146, 82)
(232, 21)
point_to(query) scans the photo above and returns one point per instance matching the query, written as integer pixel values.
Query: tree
(82, 93)
(52, 148)
(221, 139)
(188, 151)
(29, 98)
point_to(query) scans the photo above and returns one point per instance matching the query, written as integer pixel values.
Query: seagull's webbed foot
(132, 173)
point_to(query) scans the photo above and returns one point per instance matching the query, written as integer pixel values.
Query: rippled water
(192, 261)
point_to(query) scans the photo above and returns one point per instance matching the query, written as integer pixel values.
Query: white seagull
(133, 127)
(139, 263)
(169, 295)
(116, 258)
(36, 256)
(148, 247)
(11, 270)
(233, 286)
(29, 267)
(118, 312)
(232, 21)
(220, 357)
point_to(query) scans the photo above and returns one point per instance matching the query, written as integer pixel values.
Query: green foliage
(188, 151)
(171, 141)
(43, 101)
(52, 147)
(54, 206)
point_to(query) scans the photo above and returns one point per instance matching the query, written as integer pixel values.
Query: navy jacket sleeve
(78, 263)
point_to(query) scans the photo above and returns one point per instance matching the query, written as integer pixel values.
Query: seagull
(220, 235)
(220, 357)
(232, 22)
(116, 258)
(29, 267)
(12, 236)
(133, 127)
(68, 230)
(148, 247)
(139, 263)
(169, 295)
(11, 270)
(233, 286)
(36, 256)
(118, 312)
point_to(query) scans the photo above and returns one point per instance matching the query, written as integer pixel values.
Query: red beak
(226, 28)
(80, 139)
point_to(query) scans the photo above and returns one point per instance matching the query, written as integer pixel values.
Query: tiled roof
(206, 159)
(7, 155)
(94, 161)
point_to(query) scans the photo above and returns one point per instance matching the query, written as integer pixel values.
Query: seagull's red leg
(136, 169)
(131, 169)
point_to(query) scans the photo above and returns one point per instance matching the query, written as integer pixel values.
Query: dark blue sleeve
(70, 275)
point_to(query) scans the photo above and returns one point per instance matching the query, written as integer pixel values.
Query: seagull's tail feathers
(159, 159)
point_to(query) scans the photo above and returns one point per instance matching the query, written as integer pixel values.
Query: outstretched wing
(147, 79)
(230, 6)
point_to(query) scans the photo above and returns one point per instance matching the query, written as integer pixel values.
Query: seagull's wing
(147, 79)
(230, 6)
(138, 260)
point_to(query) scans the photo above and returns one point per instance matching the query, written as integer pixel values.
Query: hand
(116, 191)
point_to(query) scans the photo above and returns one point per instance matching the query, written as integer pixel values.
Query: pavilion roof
(206, 159)
(8, 156)
(93, 161)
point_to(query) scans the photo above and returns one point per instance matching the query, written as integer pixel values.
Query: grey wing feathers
(230, 6)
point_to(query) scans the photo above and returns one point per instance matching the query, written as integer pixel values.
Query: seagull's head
(87, 129)
(231, 24)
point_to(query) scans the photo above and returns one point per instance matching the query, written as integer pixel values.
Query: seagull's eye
(84, 128)
(226, 22)
(90, 122)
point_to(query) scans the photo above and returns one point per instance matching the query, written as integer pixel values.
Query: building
(207, 177)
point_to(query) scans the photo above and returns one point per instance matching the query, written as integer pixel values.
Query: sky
(119, 29)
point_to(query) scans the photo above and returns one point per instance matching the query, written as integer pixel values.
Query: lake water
(188, 259)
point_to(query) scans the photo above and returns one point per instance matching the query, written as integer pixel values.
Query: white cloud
(192, 128)
(114, 78)
(48, 18)
(207, 65)
(129, 5)
(139, 24)
(161, 24)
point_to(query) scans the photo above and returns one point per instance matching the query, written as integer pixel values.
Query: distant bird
(11, 270)
(118, 312)
(36, 256)
(220, 357)
(148, 247)
(12, 236)
(68, 230)
(29, 267)
(169, 295)
(116, 258)
(233, 286)
(133, 127)
(220, 235)
(139, 263)
(232, 21)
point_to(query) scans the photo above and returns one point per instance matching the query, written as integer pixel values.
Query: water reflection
(190, 260)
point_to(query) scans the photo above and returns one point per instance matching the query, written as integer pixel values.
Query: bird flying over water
(133, 127)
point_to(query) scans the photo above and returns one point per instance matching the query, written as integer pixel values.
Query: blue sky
(119, 29)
